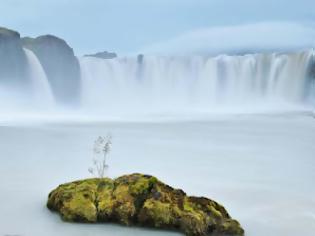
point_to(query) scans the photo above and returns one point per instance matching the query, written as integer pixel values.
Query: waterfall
(42, 92)
(195, 82)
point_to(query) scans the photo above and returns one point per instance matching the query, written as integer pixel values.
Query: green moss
(124, 208)
(193, 224)
(124, 212)
(105, 200)
(230, 227)
(188, 206)
(162, 193)
(105, 207)
(141, 200)
(194, 220)
(140, 186)
(78, 201)
(122, 194)
(216, 213)
(157, 212)
(153, 180)
(79, 208)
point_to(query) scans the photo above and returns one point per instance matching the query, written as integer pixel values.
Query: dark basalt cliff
(60, 64)
(13, 61)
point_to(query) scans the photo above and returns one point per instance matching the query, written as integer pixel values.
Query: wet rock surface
(13, 62)
(60, 64)
(141, 200)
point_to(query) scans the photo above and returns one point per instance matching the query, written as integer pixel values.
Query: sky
(154, 26)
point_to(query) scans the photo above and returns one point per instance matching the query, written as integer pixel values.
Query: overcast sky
(127, 26)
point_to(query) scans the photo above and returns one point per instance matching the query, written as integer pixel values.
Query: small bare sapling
(101, 149)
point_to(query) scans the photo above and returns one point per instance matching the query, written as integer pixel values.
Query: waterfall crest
(42, 92)
(194, 82)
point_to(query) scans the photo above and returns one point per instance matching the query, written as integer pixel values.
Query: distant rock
(60, 64)
(141, 200)
(103, 55)
(140, 58)
(311, 70)
(13, 61)
(140, 68)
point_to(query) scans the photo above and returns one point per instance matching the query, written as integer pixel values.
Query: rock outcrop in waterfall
(13, 61)
(103, 55)
(149, 82)
(60, 64)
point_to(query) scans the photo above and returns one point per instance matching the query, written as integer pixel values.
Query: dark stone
(13, 61)
(139, 72)
(60, 64)
(140, 58)
(103, 55)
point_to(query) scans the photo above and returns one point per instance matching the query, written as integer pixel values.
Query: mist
(155, 86)
(239, 39)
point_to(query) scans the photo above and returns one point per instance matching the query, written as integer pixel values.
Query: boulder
(141, 200)
(60, 64)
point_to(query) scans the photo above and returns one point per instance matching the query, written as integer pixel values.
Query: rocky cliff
(13, 62)
(60, 64)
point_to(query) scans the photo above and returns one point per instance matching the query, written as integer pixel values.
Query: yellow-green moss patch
(141, 200)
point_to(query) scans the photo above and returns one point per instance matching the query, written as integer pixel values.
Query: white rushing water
(173, 86)
(195, 83)
(42, 92)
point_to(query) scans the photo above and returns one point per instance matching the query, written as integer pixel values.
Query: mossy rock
(141, 200)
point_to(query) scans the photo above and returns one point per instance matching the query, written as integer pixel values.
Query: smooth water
(260, 167)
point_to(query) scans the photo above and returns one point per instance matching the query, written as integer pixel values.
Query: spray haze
(240, 68)
(249, 38)
(195, 83)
